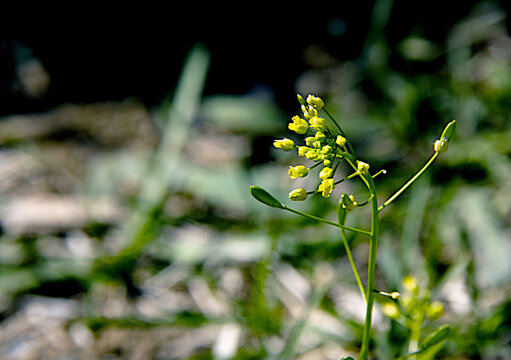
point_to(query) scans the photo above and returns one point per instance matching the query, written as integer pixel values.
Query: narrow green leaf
(435, 337)
(449, 131)
(265, 197)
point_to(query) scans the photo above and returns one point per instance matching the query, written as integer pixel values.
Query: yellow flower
(315, 101)
(297, 171)
(298, 195)
(327, 150)
(312, 154)
(310, 140)
(284, 144)
(303, 150)
(318, 123)
(362, 167)
(341, 140)
(320, 135)
(326, 173)
(326, 187)
(298, 125)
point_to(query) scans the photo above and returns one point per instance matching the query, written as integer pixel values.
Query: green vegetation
(162, 252)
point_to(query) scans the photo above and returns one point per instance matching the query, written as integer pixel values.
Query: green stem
(341, 131)
(353, 266)
(409, 182)
(327, 221)
(373, 245)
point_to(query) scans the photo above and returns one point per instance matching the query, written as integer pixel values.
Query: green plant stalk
(353, 266)
(360, 231)
(373, 245)
(415, 335)
(409, 182)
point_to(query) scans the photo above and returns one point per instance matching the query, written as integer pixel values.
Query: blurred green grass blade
(247, 114)
(431, 345)
(437, 336)
(163, 168)
(14, 280)
(487, 235)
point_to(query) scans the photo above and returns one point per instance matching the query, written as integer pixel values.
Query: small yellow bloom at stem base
(298, 195)
(284, 144)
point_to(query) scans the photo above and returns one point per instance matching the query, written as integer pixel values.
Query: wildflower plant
(324, 149)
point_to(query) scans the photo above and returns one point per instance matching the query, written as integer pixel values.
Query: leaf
(449, 131)
(265, 197)
(435, 337)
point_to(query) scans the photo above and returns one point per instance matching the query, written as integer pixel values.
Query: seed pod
(342, 213)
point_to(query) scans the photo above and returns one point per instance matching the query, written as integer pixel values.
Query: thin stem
(313, 166)
(327, 221)
(340, 130)
(346, 178)
(409, 182)
(353, 266)
(373, 245)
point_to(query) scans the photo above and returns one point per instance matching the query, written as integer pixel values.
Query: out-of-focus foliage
(156, 250)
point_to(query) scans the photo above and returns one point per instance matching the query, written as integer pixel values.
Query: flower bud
(326, 187)
(362, 167)
(297, 171)
(320, 135)
(341, 140)
(326, 173)
(284, 144)
(298, 125)
(310, 140)
(298, 195)
(326, 150)
(441, 146)
(303, 150)
(315, 101)
(301, 100)
(318, 123)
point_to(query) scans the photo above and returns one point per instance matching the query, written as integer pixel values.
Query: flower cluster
(322, 146)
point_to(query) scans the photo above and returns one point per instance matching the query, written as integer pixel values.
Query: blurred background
(129, 140)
